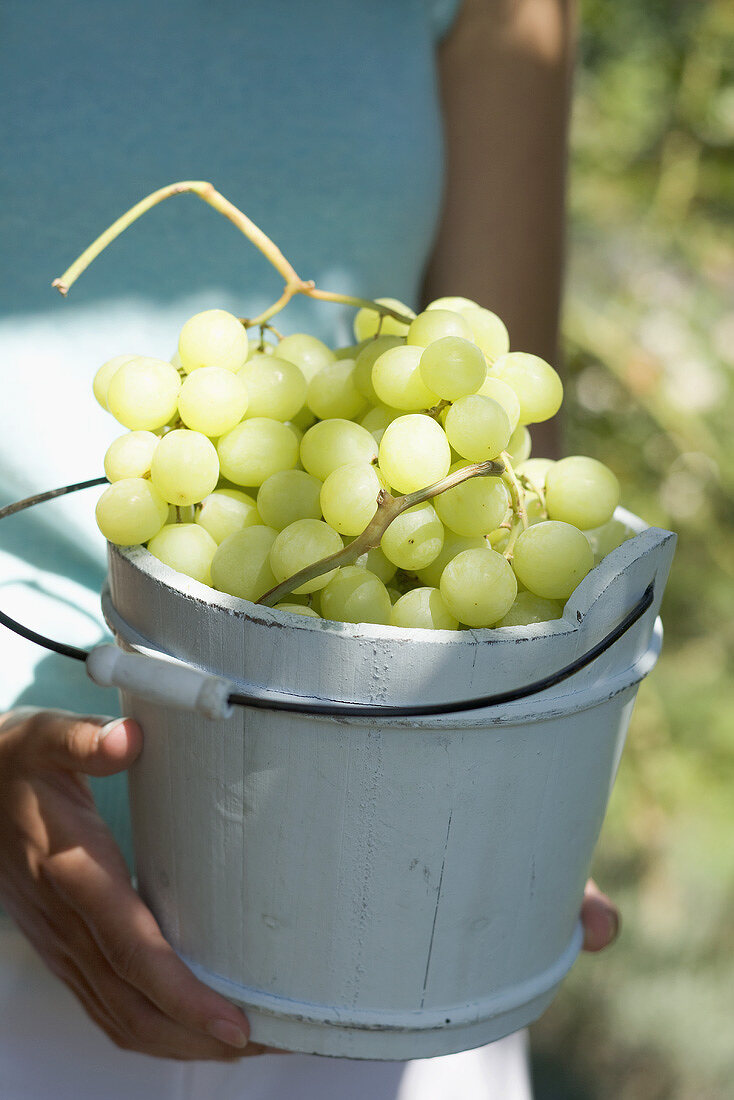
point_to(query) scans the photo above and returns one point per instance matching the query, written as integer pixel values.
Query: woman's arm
(505, 72)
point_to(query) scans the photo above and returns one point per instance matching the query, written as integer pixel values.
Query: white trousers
(51, 1050)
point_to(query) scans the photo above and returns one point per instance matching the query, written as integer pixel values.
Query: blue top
(319, 119)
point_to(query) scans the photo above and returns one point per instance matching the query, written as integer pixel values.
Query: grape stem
(294, 284)
(517, 493)
(436, 410)
(539, 491)
(388, 509)
(516, 528)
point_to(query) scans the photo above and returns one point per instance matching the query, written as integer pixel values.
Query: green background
(649, 341)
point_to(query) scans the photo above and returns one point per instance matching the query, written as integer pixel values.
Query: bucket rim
(426, 1019)
(578, 603)
(547, 705)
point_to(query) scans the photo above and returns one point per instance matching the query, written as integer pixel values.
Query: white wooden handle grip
(159, 681)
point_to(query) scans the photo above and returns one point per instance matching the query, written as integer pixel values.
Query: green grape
(435, 324)
(502, 393)
(398, 382)
(377, 419)
(488, 331)
(332, 393)
(297, 609)
(289, 495)
(499, 539)
(350, 351)
(424, 608)
(349, 497)
(131, 511)
(225, 511)
(241, 565)
(301, 544)
(478, 428)
(311, 601)
(414, 538)
(213, 338)
(276, 387)
(454, 305)
(537, 385)
(303, 420)
(313, 598)
(551, 558)
(479, 587)
(414, 452)
(519, 446)
(367, 321)
(186, 547)
(534, 509)
(103, 377)
(452, 367)
(142, 393)
(377, 563)
(263, 347)
(394, 595)
(306, 352)
(535, 470)
(185, 467)
(212, 400)
(169, 426)
(581, 491)
(529, 608)
(297, 432)
(130, 455)
(255, 449)
(475, 507)
(453, 544)
(607, 537)
(333, 443)
(355, 595)
(365, 361)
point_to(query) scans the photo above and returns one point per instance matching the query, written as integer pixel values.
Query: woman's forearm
(505, 82)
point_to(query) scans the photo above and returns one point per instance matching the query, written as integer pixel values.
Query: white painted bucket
(380, 888)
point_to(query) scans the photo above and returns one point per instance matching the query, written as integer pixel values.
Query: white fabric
(50, 1050)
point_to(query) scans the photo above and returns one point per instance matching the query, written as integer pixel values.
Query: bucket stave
(391, 888)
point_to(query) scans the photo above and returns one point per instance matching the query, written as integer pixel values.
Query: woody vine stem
(294, 284)
(388, 507)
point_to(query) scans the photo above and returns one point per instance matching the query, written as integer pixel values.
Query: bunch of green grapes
(245, 463)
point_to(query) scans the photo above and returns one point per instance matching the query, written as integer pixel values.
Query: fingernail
(227, 1033)
(108, 728)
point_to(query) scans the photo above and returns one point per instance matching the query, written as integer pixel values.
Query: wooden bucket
(380, 888)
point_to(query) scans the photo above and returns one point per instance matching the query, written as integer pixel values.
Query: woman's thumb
(91, 744)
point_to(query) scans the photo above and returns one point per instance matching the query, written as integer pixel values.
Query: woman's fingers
(600, 918)
(132, 944)
(126, 1015)
(43, 930)
(79, 743)
(130, 1021)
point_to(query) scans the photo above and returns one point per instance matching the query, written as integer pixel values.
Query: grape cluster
(246, 462)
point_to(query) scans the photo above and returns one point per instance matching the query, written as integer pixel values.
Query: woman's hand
(600, 918)
(65, 883)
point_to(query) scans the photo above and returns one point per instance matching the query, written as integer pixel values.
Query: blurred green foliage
(649, 331)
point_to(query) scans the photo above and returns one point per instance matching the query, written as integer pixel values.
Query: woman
(323, 122)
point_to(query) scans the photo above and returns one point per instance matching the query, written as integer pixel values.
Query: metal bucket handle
(176, 684)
